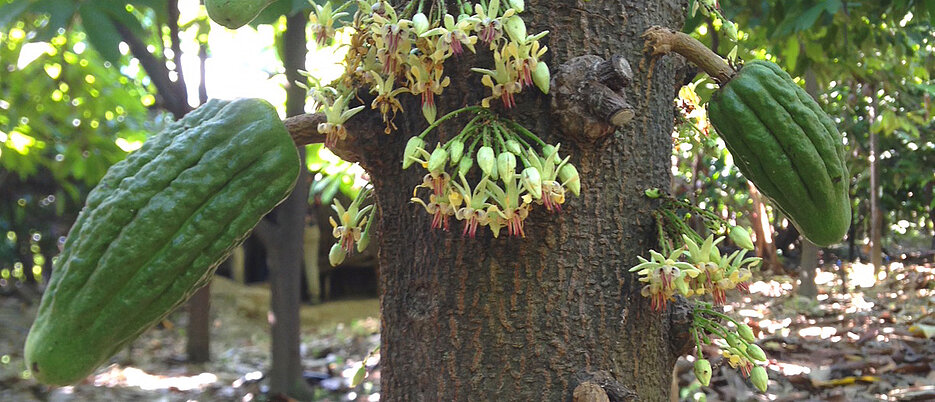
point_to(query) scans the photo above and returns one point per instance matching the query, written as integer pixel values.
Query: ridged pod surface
(154, 230)
(787, 146)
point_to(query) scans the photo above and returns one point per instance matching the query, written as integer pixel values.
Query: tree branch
(176, 45)
(156, 70)
(660, 41)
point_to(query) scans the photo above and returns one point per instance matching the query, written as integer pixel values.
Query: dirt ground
(862, 340)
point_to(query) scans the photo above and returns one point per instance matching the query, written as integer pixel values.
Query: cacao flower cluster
(392, 52)
(514, 176)
(702, 270)
(738, 346)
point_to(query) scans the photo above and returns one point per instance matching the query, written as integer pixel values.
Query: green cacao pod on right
(234, 14)
(787, 146)
(155, 228)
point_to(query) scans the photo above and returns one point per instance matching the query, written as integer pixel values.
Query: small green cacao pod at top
(234, 14)
(783, 142)
(759, 378)
(487, 161)
(155, 228)
(412, 151)
(703, 371)
(455, 151)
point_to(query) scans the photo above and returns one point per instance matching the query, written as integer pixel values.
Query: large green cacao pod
(787, 146)
(155, 228)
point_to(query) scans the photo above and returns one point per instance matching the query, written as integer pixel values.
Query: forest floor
(868, 340)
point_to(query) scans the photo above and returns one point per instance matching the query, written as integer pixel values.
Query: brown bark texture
(531, 319)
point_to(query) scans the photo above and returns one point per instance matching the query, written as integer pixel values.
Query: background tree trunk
(876, 251)
(529, 319)
(281, 234)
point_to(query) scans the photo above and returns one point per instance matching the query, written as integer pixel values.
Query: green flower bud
(732, 340)
(703, 371)
(465, 165)
(568, 175)
(486, 160)
(517, 5)
(755, 352)
(549, 150)
(412, 149)
(364, 237)
(336, 255)
(741, 237)
(729, 29)
(746, 333)
(759, 378)
(653, 193)
(438, 159)
(542, 77)
(455, 150)
(506, 165)
(514, 147)
(515, 27)
(420, 23)
(532, 181)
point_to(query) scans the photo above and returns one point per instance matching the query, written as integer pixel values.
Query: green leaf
(10, 12)
(101, 33)
(60, 13)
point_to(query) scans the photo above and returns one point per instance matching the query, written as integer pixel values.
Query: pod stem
(660, 41)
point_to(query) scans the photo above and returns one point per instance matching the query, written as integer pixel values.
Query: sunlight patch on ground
(771, 288)
(823, 332)
(119, 376)
(789, 368)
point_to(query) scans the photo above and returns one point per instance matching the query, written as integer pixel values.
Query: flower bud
(532, 181)
(568, 175)
(517, 5)
(364, 237)
(506, 165)
(412, 148)
(455, 151)
(759, 378)
(746, 333)
(336, 255)
(653, 193)
(438, 159)
(549, 150)
(542, 77)
(420, 23)
(755, 352)
(515, 27)
(703, 371)
(514, 147)
(465, 165)
(732, 340)
(486, 160)
(741, 237)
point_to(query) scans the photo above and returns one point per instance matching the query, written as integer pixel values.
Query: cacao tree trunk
(530, 319)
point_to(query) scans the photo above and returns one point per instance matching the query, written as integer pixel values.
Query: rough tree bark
(531, 319)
